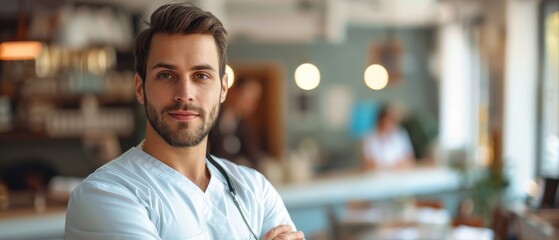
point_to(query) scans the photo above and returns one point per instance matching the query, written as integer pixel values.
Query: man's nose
(184, 91)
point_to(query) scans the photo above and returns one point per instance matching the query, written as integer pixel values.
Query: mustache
(184, 107)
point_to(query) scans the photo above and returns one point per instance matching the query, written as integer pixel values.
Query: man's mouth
(183, 115)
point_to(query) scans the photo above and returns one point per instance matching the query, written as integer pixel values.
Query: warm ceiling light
(376, 77)
(307, 76)
(21, 50)
(230, 76)
(531, 187)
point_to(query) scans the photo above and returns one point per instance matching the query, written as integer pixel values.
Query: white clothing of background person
(138, 197)
(387, 150)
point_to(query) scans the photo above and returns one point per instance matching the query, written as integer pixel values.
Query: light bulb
(230, 76)
(307, 76)
(376, 77)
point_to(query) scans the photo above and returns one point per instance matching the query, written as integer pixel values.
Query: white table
(370, 185)
(432, 232)
(27, 224)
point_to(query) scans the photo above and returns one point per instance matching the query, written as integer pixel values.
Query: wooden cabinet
(66, 99)
(72, 117)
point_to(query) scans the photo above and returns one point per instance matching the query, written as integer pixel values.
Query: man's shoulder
(118, 173)
(240, 172)
(235, 168)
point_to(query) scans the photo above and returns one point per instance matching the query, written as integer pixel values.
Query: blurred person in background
(169, 186)
(387, 145)
(232, 137)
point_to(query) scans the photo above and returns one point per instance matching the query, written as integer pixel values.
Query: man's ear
(224, 87)
(139, 88)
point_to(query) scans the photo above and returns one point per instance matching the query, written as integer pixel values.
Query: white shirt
(387, 150)
(138, 197)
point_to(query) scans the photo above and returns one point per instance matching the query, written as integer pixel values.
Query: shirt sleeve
(275, 212)
(405, 141)
(97, 211)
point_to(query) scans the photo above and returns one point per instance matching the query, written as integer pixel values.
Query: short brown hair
(181, 18)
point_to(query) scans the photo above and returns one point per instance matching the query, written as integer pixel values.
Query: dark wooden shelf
(42, 136)
(76, 99)
(23, 136)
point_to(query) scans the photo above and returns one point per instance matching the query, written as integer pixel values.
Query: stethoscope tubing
(232, 190)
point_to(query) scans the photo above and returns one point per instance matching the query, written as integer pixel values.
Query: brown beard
(181, 137)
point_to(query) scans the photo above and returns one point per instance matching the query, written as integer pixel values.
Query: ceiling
(290, 20)
(306, 20)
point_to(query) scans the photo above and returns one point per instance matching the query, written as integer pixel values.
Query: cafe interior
(470, 88)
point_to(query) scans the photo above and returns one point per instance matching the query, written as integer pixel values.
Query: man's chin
(184, 138)
(184, 143)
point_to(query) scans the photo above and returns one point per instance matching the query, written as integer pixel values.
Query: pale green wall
(343, 64)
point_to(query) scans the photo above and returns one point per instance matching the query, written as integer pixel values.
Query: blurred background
(374, 119)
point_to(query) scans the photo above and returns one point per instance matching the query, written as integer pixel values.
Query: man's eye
(165, 76)
(202, 76)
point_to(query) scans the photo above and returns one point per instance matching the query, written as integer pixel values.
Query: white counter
(28, 225)
(370, 185)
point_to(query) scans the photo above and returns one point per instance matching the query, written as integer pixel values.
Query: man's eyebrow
(164, 65)
(173, 67)
(203, 67)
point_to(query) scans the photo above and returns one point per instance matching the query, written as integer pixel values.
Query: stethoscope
(232, 191)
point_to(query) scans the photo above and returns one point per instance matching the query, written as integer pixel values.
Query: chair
(348, 230)
(335, 226)
(465, 215)
(472, 221)
(501, 222)
(429, 203)
(551, 190)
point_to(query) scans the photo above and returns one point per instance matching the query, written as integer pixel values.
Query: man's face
(182, 89)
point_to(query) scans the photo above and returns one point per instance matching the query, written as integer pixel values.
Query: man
(167, 187)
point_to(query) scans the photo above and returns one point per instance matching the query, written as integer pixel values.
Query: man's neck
(188, 161)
